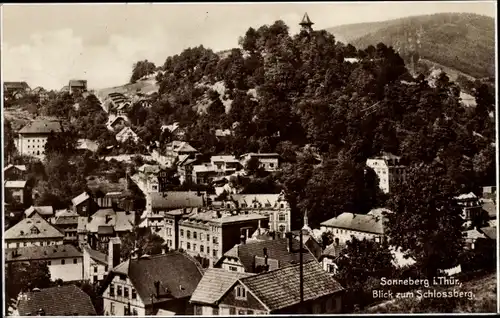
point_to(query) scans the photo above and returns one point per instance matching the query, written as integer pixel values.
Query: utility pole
(301, 277)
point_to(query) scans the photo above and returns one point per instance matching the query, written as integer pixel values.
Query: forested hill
(462, 41)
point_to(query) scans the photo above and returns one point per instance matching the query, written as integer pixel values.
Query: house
(329, 256)
(65, 262)
(274, 206)
(146, 178)
(177, 148)
(79, 86)
(268, 161)
(207, 235)
(175, 130)
(489, 208)
(67, 300)
(106, 224)
(34, 231)
(157, 203)
(95, 264)
(33, 137)
(471, 237)
(361, 226)
(127, 134)
(15, 172)
(11, 89)
(84, 204)
(471, 207)
(251, 256)
(16, 192)
(276, 292)
(87, 144)
(117, 104)
(65, 89)
(310, 241)
(67, 223)
(205, 173)
(43, 211)
(109, 200)
(185, 166)
(222, 133)
(116, 123)
(388, 168)
(142, 286)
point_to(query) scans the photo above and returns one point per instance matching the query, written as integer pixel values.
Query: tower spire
(306, 23)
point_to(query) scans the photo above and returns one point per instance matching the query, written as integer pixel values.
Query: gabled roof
(179, 281)
(22, 230)
(96, 255)
(104, 219)
(15, 85)
(126, 131)
(41, 127)
(41, 253)
(277, 249)
(66, 219)
(15, 184)
(332, 251)
(306, 20)
(175, 200)
(80, 198)
(41, 210)
(19, 167)
(279, 289)
(181, 146)
(67, 300)
(490, 232)
(87, 144)
(214, 284)
(357, 222)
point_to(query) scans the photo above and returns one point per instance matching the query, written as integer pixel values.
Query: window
(198, 310)
(123, 277)
(215, 253)
(232, 311)
(331, 268)
(25, 243)
(49, 263)
(282, 205)
(75, 261)
(94, 279)
(112, 309)
(241, 292)
(282, 228)
(271, 165)
(106, 268)
(202, 236)
(188, 245)
(119, 290)
(112, 290)
(182, 233)
(188, 234)
(282, 217)
(95, 269)
(194, 247)
(134, 294)
(195, 235)
(155, 187)
(125, 292)
(249, 312)
(63, 261)
(233, 268)
(216, 311)
(215, 240)
(208, 237)
(202, 249)
(208, 249)
(34, 230)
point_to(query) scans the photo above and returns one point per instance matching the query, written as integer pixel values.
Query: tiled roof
(15, 184)
(41, 253)
(490, 232)
(279, 289)
(22, 230)
(181, 146)
(64, 220)
(41, 127)
(118, 220)
(80, 198)
(96, 255)
(179, 281)
(357, 222)
(20, 167)
(175, 200)
(87, 144)
(67, 300)
(42, 210)
(124, 131)
(214, 284)
(333, 250)
(277, 249)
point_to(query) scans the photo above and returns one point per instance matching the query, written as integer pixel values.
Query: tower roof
(306, 21)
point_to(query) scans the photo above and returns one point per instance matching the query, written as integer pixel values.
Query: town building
(143, 286)
(77, 86)
(146, 178)
(16, 192)
(109, 200)
(15, 172)
(65, 262)
(185, 166)
(177, 148)
(87, 145)
(11, 88)
(268, 161)
(34, 231)
(177, 132)
(306, 24)
(117, 104)
(329, 257)
(370, 226)
(95, 264)
(33, 137)
(388, 168)
(274, 206)
(269, 292)
(116, 123)
(106, 224)
(253, 256)
(67, 223)
(472, 211)
(127, 134)
(205, 173)
(67, 300)
(84, 204)
(45, 212)
(159, 203)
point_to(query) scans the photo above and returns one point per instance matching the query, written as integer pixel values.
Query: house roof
(333, 250)
(19, 167)
(87, 144)
(15, 184)
(78, 83)
(41, 127)
(278, 289)
(42, 210)
(181, 146)
(490, 207)
(66, 219)
(104, 219)
(254, 154)
(179, 281)
(473, 234)
(176, 200)
(214, 284)
(223, 159)
(80, 198)
(173, 127)
(262, 199)
(306, 20)
(165, 313)
(222, 132)
(111, 124)
(490, 232)
(277, 249)
(67, 300)
(357, 222)
(224, 219)
(147, 168)
(23, 230)
(15, 85)
(466, 196)
(96, 255)
(41, 253)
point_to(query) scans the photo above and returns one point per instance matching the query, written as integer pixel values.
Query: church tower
(306, 23)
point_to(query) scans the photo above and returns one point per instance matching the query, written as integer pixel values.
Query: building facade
(33, 137)
(389, 170)
(34, 231)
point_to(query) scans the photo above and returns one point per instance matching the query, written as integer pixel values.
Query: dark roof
(368, 223)
(78, 83)
(280, 288)
(15, 85)
(105, 229)
(490, 232)
(96, 255)
(64, 220)
(214, 284)
(306, 20)
(176, 200)
(276, 250)
(183, 275)
(41, 127)
(41, 253)
(67, 300)
(332, 251)
(490, 207)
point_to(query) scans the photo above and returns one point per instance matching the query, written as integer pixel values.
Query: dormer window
(241, 293)
(34, 230)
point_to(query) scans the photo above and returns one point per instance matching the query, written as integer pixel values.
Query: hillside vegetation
(462, 41)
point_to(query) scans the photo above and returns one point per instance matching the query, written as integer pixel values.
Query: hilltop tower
(306, 23)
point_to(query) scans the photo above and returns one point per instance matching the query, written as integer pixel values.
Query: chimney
(157, 289)
(266, 257)
(243, 238)
(114, 252)
(290, 242)
(108, 218)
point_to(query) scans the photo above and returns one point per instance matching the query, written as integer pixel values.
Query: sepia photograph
(239, 158)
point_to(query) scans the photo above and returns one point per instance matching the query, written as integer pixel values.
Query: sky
(46, 45)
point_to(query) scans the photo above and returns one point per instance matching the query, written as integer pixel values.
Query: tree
(21, 277)
(252, 165)
(143, 241)
(9, 143)
(361, 265)
(426, 223)
(141, 69)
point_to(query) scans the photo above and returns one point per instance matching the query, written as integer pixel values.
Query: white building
(34, 231)
(127, 133)
(388, 169)
(268, 161)
(95, 265)
(33, 137)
